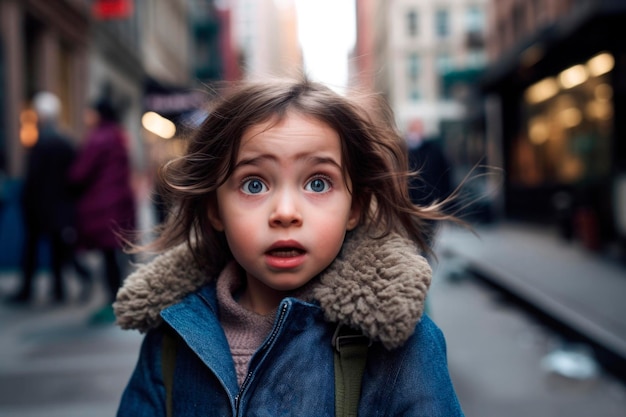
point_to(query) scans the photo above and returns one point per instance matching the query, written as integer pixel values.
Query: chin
(288, 286)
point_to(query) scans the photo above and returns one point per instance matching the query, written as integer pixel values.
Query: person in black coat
(433, 182)
(47, 201)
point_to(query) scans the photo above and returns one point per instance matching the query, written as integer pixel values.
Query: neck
(259, 298)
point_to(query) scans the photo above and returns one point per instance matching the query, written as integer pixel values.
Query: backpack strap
(168, 364)
(350, 357)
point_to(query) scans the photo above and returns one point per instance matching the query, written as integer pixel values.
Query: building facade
(427, 41)
(43, 46)
(415, 45)
(83, 50)
(265, 36)
(426, 59)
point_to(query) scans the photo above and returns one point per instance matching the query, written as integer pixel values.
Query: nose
(285, 212)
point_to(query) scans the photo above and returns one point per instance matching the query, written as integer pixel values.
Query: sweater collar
(376, 285)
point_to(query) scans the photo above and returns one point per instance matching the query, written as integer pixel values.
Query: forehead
(291, 130)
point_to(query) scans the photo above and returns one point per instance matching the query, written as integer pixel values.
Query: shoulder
(163, 282)
(427, 330)
(423, 355)
(425, 344)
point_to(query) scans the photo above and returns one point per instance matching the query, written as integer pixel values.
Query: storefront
(561, 116)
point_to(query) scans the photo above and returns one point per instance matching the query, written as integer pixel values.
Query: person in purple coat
(101, 175)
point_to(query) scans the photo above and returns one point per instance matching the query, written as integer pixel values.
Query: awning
(182, 105)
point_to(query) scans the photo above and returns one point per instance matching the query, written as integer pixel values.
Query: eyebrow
(316, 160)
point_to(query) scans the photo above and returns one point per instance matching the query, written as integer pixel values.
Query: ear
(355, 216)
(214, 218)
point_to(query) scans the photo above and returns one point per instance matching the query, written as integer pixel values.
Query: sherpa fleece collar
(375, 285)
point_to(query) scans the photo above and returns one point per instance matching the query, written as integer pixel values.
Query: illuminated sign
(112, 9)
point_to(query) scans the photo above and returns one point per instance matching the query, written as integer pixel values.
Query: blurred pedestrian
(433, 183)
(47, 201)
(106, 206)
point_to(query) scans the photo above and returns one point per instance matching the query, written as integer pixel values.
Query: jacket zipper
(269, 341)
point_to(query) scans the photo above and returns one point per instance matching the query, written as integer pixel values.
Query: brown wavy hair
(374, 156)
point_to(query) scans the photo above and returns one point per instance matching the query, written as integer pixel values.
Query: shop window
(566, 127)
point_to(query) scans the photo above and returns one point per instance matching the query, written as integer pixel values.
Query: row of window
(474, 21)
(444, 63)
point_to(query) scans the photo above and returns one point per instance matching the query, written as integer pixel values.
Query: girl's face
(286, 207)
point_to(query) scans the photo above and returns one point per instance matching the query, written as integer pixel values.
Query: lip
(285, 260)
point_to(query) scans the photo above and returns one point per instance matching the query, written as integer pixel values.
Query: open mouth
(285, 252)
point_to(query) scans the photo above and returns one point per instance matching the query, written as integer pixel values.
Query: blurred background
(523, 97)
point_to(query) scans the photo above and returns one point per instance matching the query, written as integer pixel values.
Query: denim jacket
(375, 285)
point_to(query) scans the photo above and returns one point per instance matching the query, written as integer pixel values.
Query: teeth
(285, 253)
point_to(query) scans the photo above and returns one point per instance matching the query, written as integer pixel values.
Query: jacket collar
(375, 285)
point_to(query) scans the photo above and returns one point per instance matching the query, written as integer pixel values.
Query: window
(414, 66)
(476, 58)
(566, 137)
(414, 92)
(411, 23)
(442, 23)
(474, 19)
(444, 63)
(414, 69)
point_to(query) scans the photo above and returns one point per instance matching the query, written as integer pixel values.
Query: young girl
(290, 217)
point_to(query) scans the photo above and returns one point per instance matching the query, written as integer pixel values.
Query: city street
(54, 364)
(515, 105)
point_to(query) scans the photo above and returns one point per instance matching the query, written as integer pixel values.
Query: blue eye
(318, 185)
(253, 186)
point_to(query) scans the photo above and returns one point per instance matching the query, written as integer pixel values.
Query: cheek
(330, 238)
(240, 234)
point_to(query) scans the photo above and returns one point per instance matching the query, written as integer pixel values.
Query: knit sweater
(375, 285)
(245, 330)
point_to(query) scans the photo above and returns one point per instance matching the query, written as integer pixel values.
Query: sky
(327, 33)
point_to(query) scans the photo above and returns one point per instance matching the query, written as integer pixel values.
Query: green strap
(350, 357)
(168, 364)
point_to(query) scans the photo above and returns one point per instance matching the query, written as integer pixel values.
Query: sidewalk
(582, 291)
(54, 363)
